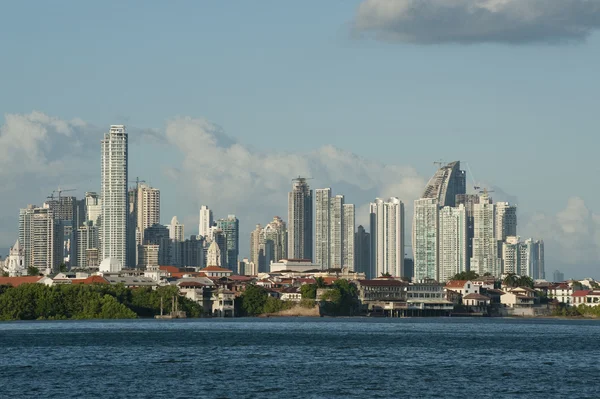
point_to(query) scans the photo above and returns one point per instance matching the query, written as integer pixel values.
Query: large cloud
(232, 178)
(478, 21)
(571, 238)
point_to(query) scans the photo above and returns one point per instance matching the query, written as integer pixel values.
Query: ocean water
(301, 358)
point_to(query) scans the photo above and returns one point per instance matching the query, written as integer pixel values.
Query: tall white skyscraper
(176, 230)
(425, 238)
(114, 195)
(39, 235)
(206, 221)
(505, 224)
(322, 210)
(334, 230)
(387, 237)
(452, 239)
(511, 255)
(485, 258)
(349, 223)
(147, 208)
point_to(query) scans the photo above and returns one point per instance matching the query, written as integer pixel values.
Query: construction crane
(59, 191)
(439, 163)
(137, 182)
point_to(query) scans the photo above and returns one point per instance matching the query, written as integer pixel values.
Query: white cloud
(478, 21)
(232, 178)
(571, 238)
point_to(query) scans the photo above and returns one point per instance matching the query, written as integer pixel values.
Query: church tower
(16, 261)
(213, 257)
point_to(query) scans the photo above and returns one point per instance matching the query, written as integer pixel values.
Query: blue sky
(293, 76)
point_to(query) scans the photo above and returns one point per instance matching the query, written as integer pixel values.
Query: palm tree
(525, 281)
(386, 274)
(320, 282)
(511, 280)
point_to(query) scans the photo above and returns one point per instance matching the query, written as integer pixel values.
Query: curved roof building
(446, 183)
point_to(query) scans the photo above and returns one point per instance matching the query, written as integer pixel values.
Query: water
(301, 358)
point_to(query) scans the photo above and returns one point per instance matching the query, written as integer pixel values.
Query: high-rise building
(447, 182)
(206, 221)
(176, 230)
(506, 221)
(387, 237)
(533, 259)
(362, 252)
(276, 233)
(558, 276)
(114, 170)
(257, 249)
(247, 268)
(322, 226)
(93, 207)
(348, 227)
(41, 239)
(300, 221)
(511, 255)
(425, 238)
(485, 258)
(334, 231)
(452, 238)
(231, 229)
(147, 207)
(468, 200)
(87, 240)
(149, 256)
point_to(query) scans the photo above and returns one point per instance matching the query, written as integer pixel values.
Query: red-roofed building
(90, 280)
(17, 281)
(580, 297)
(463, 287)
(169, 269)
(562, 292)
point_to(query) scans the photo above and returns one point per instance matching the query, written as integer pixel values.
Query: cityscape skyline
(368, 119)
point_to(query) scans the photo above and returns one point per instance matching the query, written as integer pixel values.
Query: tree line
(94, 301)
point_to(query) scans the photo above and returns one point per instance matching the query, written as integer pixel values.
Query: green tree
(511, 280)
(5, 274)
(308, 291)
(470, 275)
(525, 281)
(386, 275)
(253, 300)
(33, 271)
(320, 282)
(62, 268)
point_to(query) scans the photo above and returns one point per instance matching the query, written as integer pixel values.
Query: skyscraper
(505, 224)
(40, 238)
(300, 220)
(206, 221)
(87, 245)
(276, 233)
(387, 237)
(322, 234)
(485, 258)
(147, 208)
(231, 229)
(425, 238)
(176, 230)
(468, 200)
(447, 182)
(348, 227)
(257, 249)
(93, 207)
(362, 252)
(114, 194)
(452, 238)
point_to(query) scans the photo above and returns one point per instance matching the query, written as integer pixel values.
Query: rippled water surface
(301, 358)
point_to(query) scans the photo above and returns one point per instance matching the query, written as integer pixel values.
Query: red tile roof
(581, 293)
(169, 269)
(189, 274)
(456, 283)
(90, 280)
(17, 281)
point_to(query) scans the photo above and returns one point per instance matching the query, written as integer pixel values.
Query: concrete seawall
(296, 311)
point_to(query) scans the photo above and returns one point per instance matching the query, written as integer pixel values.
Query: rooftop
(17, 281)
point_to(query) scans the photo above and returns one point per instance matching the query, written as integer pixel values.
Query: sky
(225, 102)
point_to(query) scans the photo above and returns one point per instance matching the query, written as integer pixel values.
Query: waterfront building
(114, 168)
(425, 238)
(300, 220)
(387, 237)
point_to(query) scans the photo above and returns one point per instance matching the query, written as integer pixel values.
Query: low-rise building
(518, 297)
(291, 294)
(476, 300)
(463, 287)
(294, 265)
(216, 271)
(223, 303)
(562, 292)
